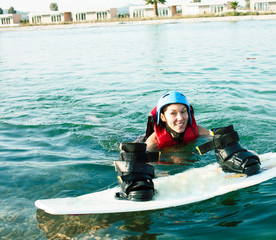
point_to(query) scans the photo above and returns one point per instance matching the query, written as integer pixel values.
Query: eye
(173, 113)
(184, 111)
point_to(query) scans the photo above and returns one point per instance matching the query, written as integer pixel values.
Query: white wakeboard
(191, 186)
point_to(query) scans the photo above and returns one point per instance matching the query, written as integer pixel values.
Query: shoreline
(139, 22)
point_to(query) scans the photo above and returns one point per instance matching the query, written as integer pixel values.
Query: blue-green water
(68, 97)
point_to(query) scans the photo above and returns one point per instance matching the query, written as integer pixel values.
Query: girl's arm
(151, 142)
(202, 131)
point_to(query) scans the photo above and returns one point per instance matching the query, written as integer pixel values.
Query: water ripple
(70, 96)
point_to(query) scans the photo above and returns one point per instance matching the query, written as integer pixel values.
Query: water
(70, 96)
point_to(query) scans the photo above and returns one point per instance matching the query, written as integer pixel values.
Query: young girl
(172, 122)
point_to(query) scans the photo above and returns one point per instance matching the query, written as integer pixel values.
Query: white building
(83, 16)
(188, 9)
(263, 5)
(200, 8)
(9, 19)
(147, 11)
(80, 16)
(49, 17)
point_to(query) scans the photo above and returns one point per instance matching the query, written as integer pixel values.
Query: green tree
(11, 10)
(154, 2)
(1, 11)
(234, 5)
(53, 6)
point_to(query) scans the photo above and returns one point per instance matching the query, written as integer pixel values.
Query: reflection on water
(229, 224)
(70, 226)
(227, 211)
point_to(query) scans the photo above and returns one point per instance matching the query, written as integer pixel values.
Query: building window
(261, 6)
(81, 16)
(6, 21)
(163, 12)
(138, 13)
(101, 15)
(56, 18)
(212, 9)
(36, 19)
(216, 8)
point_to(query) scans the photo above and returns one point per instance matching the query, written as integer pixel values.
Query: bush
(24, 21)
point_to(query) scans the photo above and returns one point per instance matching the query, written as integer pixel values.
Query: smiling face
(176, 117)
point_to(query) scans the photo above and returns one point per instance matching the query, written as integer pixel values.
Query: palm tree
(53, 6)
(154, 2)
(11, 10)
(234, 5)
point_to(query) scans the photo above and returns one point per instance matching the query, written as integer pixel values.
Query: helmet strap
(178, 137)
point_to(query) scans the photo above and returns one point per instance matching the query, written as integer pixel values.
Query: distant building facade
(193, 8)
(263, 5)
(199, 8)
(49, 17)
(9, 19)
(83, 16)
(147, 11)
(80, 16)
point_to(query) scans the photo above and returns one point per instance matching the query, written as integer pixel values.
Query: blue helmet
(170, 98)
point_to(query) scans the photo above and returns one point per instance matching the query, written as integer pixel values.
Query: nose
(179, 117)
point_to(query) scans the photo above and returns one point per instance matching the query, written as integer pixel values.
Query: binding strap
(205, 147)
(124, 168)
(133, 157)
(140, 157)
(219, 142)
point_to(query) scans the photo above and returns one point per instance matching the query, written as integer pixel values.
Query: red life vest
(164, 139)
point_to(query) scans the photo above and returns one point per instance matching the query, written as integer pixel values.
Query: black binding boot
(134, 173)
(230, 155)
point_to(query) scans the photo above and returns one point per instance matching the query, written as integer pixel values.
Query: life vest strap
(150, 127)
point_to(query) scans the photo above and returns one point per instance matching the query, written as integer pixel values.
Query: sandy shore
(144, 22)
